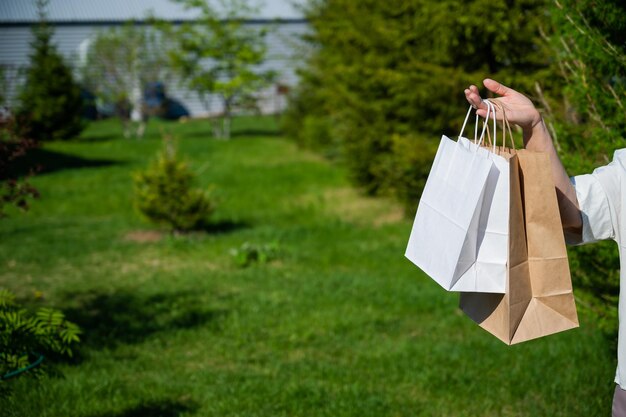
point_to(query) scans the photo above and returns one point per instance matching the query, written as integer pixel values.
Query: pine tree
(50, 105)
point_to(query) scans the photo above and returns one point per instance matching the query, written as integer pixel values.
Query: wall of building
(283, 55)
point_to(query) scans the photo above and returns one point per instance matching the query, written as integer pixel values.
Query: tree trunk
(136, 107)
(226, 120)
(217, 131)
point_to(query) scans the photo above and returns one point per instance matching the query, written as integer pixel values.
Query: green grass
(339, 325)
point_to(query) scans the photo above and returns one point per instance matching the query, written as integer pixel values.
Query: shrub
(14, 191)
(26, 337)
(410, 165)
(249, 253)
(164, 193)
(50, 103)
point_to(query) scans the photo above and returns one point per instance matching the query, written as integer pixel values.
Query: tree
(50, 103)
(385, 78)
(218, 54)
(118, 64)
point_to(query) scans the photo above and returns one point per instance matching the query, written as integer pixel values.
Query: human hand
(519, 109)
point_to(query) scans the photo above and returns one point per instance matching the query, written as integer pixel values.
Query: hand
(519, 109)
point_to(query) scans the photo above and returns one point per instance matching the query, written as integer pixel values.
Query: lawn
(339, 324)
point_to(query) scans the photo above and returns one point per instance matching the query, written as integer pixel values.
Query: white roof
(25, 11)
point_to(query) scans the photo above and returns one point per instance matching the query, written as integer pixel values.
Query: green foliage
(411, 159)
(589, 43)
(396, 75)
(164, 193)
(218, 54)
(249, 253)
(14, 191)
(50, 103)
(4, 86)
(25, 336)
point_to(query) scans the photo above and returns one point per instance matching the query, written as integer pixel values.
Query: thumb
(496, 87)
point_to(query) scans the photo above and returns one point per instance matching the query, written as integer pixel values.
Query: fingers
(496, 87)
(482, 113)
(473, 97)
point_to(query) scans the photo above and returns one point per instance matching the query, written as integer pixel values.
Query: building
(75, 21)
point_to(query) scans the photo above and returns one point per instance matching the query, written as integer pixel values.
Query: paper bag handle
(505, 123)
(482, 135)
(492, 108)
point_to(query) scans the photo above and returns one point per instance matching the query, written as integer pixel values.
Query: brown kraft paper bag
(539, 299)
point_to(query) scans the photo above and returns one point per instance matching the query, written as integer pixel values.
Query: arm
(521, 111)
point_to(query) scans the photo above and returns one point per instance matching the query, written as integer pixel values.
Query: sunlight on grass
(340, 324)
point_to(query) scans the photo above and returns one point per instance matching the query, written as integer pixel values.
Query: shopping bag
(489, 272)
(443, 240)
(539, 300)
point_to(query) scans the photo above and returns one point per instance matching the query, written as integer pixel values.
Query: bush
(164, 193)
(410, 165)
(249, 253)
(14, 191)
(26, 337)
(50, 103)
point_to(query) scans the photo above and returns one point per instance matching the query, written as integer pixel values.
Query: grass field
(340, 324)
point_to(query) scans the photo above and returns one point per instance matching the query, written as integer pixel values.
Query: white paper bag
(489, 272)
(444, 239)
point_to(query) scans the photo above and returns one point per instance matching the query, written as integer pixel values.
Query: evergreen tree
(164, 193)
(386, 79)
(50, 104)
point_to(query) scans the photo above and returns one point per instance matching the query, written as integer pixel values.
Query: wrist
(536, 136)
(534, 124)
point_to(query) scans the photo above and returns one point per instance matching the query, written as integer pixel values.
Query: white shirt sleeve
(600, 199)
(594, 207)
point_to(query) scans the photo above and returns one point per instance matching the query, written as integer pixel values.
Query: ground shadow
(99, 137)
(45, 161)
(165, 408)
(235, 134)
(223, 226)
(121, 317)
(199, 133)
(269, 132)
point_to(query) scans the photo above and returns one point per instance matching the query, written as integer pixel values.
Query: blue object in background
(157, 103)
